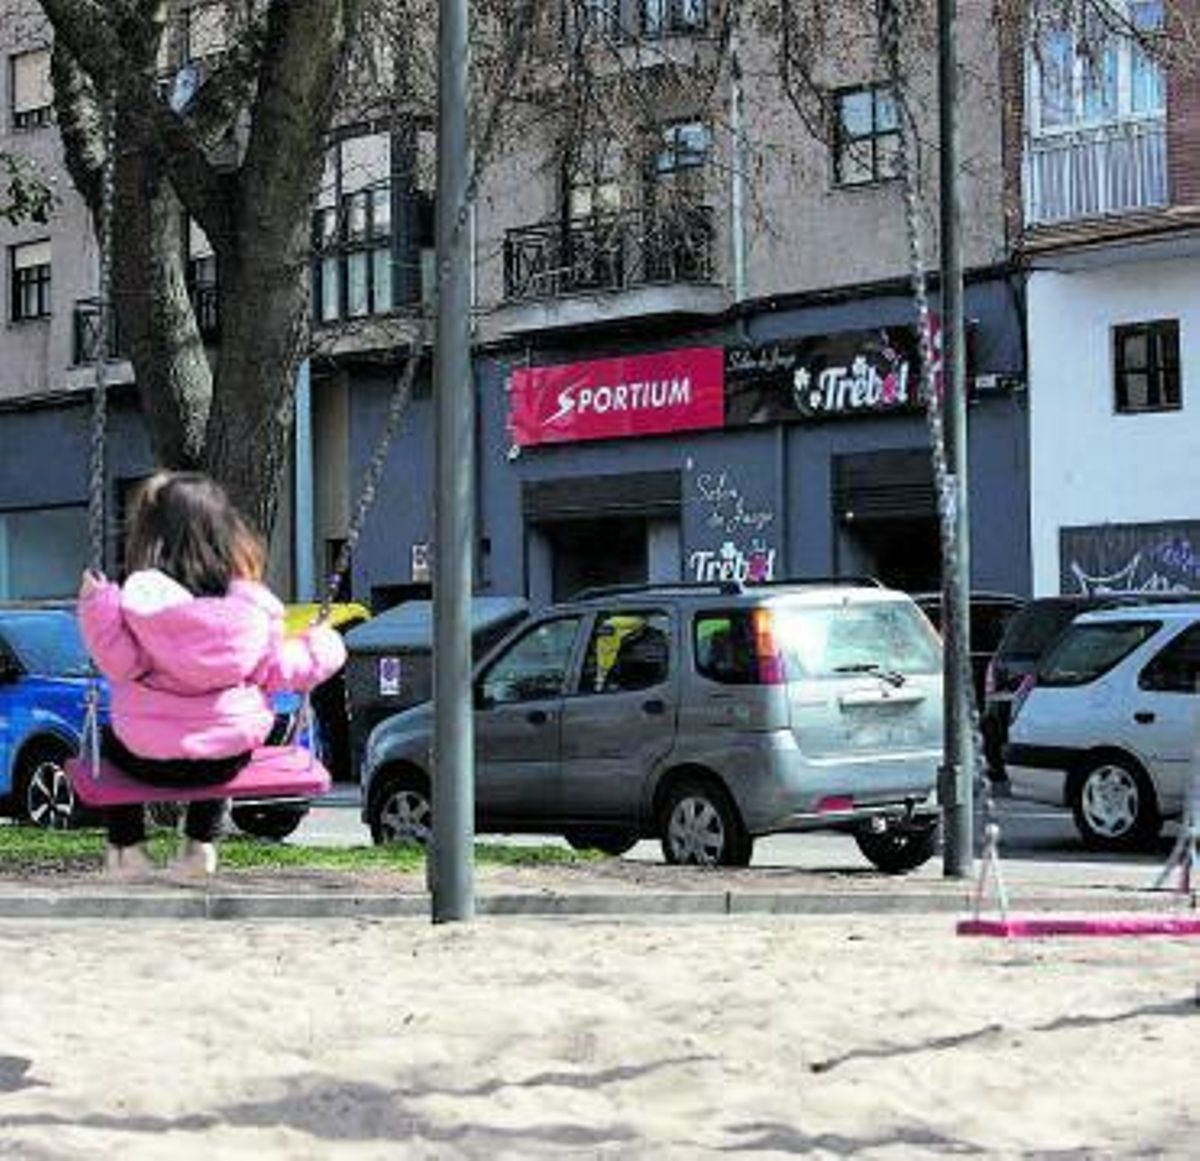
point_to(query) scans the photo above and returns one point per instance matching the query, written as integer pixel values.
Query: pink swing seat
(272, 772)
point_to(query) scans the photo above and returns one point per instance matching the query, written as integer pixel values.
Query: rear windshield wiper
(889, 675)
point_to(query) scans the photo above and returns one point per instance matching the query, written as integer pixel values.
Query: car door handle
(537, 717)
(655, 705)
(1143, 717)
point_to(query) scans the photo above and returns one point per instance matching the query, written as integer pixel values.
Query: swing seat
(272, 772)
(1035, 926)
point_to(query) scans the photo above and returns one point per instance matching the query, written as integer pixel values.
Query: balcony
(612, 252)
(1093, 172)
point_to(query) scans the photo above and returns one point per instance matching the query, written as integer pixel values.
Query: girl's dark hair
(184, 524)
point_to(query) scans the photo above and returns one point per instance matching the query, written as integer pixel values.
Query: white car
(1110, 724)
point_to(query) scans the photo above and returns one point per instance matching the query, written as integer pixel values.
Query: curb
(224, 905)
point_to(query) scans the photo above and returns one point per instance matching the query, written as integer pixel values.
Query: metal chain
(374, 470)
(99, 418)
(931, 390)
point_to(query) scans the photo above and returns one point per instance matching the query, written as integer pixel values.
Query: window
(30, 266)
(202, 281)
(30, 93)
(1177, 668)
(866, 145)
(594, 179)
(533, 668)
(666, 17)
(352, 231)
(679, 231)
(628, 651)
(204, 33)
(42, 552)
(1088, 651)
(1146, 367)
(1099, 70)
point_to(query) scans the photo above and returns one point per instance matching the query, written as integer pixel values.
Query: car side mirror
(483, 701)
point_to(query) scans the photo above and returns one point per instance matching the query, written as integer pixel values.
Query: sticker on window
(389, 677)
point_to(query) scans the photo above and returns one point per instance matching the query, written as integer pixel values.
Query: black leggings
(202, 820)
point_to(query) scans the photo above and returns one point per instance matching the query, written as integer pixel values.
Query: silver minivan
(704, 715)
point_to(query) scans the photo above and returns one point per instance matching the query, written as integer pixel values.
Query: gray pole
(958, 770)
(452, 866)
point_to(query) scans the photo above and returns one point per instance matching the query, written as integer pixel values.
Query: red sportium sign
(679, 390)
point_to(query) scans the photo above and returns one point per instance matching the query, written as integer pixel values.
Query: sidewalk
(611, 887)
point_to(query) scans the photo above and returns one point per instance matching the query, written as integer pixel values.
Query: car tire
(607, 842)
(47, 799)
(1115, 806)
(400, 810)
(269, 822)
(899, 847)
(701, 826)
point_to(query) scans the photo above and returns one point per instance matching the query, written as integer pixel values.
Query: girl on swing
(192, 645)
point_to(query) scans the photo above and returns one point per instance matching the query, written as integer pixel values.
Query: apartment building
(1111, 238)
(697, 354)
(696, 346)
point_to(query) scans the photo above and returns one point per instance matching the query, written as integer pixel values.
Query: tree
(235, 143)
(26, 196)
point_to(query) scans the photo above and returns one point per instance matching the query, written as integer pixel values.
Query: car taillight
(768, 658)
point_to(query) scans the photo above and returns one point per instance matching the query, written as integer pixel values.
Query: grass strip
(27, 850)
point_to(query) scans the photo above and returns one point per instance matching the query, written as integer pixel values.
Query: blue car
(44, 678)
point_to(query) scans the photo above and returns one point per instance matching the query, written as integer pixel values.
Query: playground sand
(650, 1037)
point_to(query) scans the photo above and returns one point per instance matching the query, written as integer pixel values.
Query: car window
(47, 644)
(1037, 625)
(832, 640)
(534, 666)
(1177, 668)
(988, 623)
(628, 651)
(723, 642)
(1088, 651)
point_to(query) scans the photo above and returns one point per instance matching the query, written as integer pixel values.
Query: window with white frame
(352, 230)
(1098, 70)
(30, 280)
(29, 90)
(866, 135)
(594, 178)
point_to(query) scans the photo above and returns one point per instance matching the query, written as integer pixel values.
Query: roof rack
(725, 588)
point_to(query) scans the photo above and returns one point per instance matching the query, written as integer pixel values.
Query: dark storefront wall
(748, 498)
(44, 461)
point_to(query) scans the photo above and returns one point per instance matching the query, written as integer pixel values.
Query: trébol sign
(852, 373)
(824, 377)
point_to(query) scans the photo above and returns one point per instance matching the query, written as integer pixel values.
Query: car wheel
(701, 826)
(47, 797)
(1115, 806)
(897, 848)
(401, 812)
(607, 842)
(269, 822)
(166, 815)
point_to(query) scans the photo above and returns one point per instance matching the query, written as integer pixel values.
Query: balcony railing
(608, 252)
(85, 333)
(1087, 173)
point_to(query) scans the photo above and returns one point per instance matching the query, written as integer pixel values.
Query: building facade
(1112, 244)
(697, 350)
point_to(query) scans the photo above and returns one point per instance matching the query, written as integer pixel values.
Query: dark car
(1029, 634)
(989, 614)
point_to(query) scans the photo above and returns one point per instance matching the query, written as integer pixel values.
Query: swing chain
(99, 418)
(931, 386)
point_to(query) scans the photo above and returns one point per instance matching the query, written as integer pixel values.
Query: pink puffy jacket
(190, 676)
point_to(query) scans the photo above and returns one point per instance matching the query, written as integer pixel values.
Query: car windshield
(46, 643)
(1088, 651)
(886, 637)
